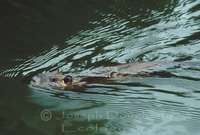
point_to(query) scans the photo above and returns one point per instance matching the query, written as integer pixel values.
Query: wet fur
(103, 74)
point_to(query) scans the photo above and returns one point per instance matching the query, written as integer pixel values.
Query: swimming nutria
(56, 80)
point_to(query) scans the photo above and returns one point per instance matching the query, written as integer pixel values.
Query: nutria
(56, 80)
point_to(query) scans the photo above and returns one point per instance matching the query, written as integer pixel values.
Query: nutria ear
(56, 71)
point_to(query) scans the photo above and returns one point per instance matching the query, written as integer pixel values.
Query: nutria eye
(53, 79)
(33, 80)
(68, 79)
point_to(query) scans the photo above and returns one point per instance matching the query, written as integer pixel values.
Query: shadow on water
(75, 36)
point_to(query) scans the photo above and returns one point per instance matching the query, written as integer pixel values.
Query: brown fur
(54, 80)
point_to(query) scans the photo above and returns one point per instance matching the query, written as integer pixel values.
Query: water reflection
(116, 38)
(112, 32)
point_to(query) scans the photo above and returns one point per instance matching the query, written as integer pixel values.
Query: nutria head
(52, 80)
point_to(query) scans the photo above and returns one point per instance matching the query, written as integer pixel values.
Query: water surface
(75, 36)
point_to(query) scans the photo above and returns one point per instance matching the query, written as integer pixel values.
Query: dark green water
(77, 35)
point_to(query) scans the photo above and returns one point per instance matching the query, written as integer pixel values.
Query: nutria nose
(68, 79)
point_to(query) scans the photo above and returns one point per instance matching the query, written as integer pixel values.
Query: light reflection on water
(168, 33)
(114, 40)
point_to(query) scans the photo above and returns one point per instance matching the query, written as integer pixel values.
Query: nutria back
(56, 80)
